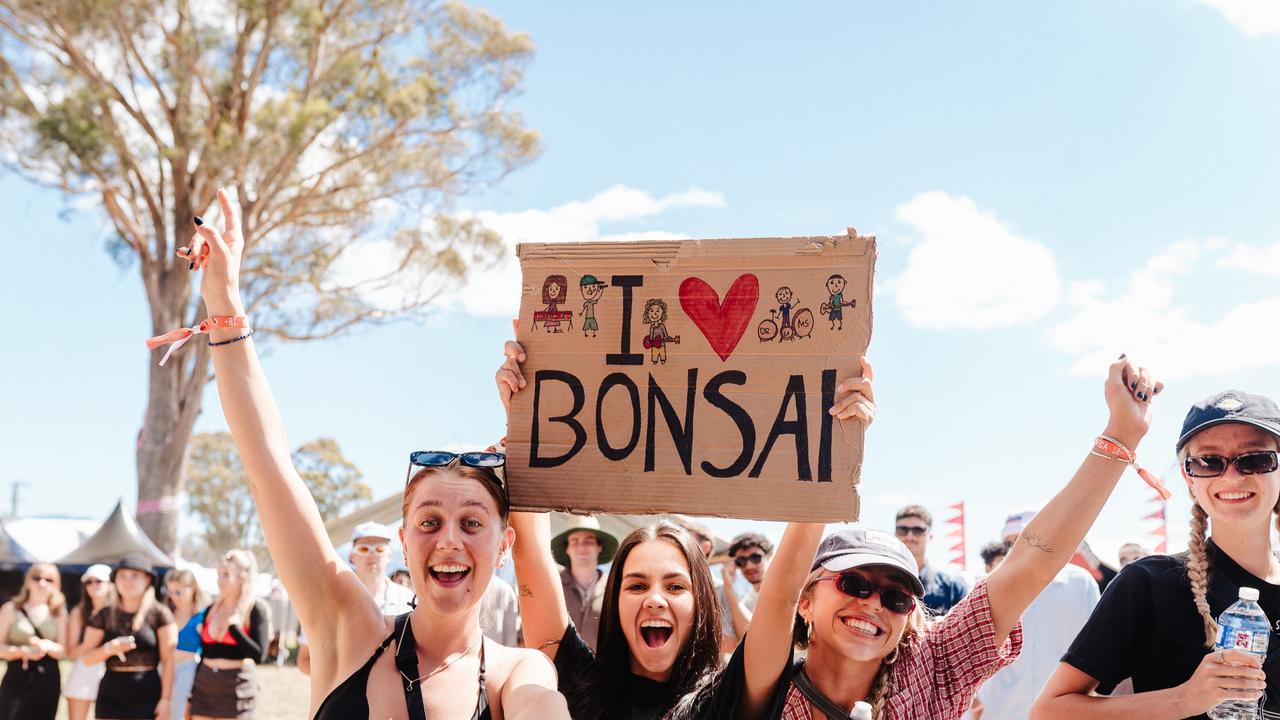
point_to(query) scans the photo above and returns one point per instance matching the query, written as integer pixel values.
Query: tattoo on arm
(525, 591)
(1037, 542)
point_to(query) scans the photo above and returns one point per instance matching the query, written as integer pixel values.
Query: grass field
(283, 694)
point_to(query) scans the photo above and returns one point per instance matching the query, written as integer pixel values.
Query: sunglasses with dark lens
(752, 559)
(44, 580)
(440, 458)
(1251, 463)
(916, 530)
(858, 586)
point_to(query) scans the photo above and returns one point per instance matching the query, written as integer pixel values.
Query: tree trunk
(173, 404)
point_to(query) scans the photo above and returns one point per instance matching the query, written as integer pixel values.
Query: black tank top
(349, 700)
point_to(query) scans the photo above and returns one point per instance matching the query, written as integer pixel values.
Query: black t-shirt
(726, 694)
(1146, 625)
(635, 697)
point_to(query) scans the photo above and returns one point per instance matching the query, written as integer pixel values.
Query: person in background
(81, 688)
(185, 599)
(369, 557)
(751, 554)
(33, 626)
(1049, 625)
(942, 589)
(500, 613)
(1157, 622)
(993, 553)
(400, 576)
(136, 637)
(234, 637)
(1131, 551)
(581, 549)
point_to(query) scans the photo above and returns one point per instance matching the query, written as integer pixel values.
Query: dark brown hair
(699, 660)
(546, 285)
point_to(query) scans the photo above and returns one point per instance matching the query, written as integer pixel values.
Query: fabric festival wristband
(1112, 449)
(179, 337)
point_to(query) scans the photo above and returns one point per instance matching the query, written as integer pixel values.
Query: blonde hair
(186, 578)
(1198, 566)
(879, 695)
(243, 561)
(57, 601)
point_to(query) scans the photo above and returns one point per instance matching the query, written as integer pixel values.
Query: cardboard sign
(691, 376)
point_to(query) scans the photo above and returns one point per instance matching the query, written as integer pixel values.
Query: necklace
(409, 683)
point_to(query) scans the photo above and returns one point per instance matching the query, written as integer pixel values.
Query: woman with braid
(853, 601)
(1156, 621)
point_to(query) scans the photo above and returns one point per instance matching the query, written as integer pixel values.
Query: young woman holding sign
(432, 662)
(658, 651)
(1157, 621)
(858, 598)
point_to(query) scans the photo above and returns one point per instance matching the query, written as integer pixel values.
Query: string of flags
(1161, 531)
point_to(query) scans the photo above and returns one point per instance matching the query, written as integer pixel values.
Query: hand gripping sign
(691, 376)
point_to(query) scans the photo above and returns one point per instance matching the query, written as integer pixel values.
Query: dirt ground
(283, 694)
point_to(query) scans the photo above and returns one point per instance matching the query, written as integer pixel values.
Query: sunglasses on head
(440, 458)
(752, 559)
(371, 549)
(905, 530)
(859, 586)
(1250, 463)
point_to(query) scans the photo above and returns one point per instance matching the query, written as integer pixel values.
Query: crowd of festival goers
(852, 623)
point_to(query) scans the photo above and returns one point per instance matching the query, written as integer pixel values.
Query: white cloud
(1254, 18)
(970, 270)
(1144, 320)
(1259, 261)
(496, 292)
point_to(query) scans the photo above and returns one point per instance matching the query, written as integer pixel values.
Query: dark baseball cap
(855, 547)
(1231, 406)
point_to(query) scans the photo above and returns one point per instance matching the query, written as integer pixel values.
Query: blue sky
(1050, 184)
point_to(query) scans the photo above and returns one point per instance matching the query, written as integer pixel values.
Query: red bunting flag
(957, 533)
(1161, 531)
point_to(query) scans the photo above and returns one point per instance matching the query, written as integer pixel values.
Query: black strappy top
(350, 700)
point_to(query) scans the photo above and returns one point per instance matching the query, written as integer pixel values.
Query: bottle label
(1233, 639)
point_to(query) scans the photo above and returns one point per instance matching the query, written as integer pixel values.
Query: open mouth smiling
(656, 632)
(449, 574)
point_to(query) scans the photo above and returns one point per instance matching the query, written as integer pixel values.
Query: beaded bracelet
(232, 340)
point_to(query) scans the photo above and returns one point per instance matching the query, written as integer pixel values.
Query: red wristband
(182, 335)
(1112, 449)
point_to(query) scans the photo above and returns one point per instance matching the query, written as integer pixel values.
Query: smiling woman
(431, 662)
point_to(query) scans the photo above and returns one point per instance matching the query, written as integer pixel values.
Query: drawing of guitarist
(835, 304)
(655, 313)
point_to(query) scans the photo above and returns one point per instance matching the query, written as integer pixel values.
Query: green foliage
(218, 493)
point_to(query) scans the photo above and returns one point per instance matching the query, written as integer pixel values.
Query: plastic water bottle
(861, 711)
(1242, 627)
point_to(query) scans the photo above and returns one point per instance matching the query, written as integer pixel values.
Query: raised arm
(329, 599)
(1051, 538)
(543, 613)
(530, 692)
(769, 643)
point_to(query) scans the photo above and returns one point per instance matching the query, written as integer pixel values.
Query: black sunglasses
(744, 560)
(440, 458)
(911, 530)
(1251, 463)
(859, 586)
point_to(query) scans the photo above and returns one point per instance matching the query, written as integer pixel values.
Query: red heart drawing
(722, 323)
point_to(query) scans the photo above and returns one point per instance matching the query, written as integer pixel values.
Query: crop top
(235, 644)
(22, 629)
(189, 635)
(114, 623)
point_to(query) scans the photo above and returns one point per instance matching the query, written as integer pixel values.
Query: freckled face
(655, 607)
(452, 537)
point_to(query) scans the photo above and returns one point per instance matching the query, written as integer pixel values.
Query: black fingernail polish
(1142, 396)
(1120, 358)
(199, 221)
(1133, 386)
(192, 266)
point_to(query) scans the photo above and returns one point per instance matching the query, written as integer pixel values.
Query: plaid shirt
(937, 675)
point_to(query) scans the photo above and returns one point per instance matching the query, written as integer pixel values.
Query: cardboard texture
(691, 376)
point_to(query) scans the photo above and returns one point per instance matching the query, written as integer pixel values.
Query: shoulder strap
(407, 664)
(815, 696)
(34, 627)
